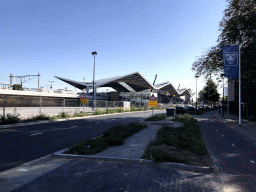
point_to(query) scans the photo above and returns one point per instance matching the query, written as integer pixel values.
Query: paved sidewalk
(133, 146)
(247, 128)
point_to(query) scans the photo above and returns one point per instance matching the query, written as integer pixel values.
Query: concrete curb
(56, 120)
(200, 169)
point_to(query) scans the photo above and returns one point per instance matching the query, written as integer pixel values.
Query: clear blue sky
(57, 37)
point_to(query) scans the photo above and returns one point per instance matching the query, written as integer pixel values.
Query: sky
(56, 38)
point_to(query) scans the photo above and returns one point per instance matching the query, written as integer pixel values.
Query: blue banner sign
(231, 61)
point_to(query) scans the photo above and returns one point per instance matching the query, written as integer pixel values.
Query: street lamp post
(196, 90)
(94, 94)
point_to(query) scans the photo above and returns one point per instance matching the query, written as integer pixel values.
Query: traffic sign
(83, 98)
(152, 101)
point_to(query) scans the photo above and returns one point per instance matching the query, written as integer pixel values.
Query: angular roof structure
(168, 87)
(77, 84)
(133, 82)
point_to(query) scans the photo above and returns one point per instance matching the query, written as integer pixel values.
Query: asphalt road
(25, 143)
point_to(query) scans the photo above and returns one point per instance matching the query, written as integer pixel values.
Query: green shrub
(37, 118)
(64, 115)
(162, 156)
(119, 110)
(55, 117)
(42, 117)
(98, 112)
(11, 118)
(80, 114)
(156, 117)
(133, 108)
(115, 140)
(92, 146)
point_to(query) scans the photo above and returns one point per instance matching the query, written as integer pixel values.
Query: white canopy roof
(133, 82)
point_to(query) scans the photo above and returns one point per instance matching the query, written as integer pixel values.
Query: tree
(238, 27)
(210, 92)
(17, 87)
(201, 97)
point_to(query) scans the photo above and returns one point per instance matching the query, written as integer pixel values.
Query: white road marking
(97, 122)
(79, 174)
(23, 170)
(113, 119)
(252, 161)
(73, 127)
(233, 145)
(36, 134)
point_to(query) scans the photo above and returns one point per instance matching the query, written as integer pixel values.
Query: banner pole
(239, 85)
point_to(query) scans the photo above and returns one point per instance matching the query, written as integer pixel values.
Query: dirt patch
(190, 158)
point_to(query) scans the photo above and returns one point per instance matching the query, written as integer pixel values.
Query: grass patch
(112, 137)
(156, 117)
(80, 114)
(186, 138)
(134, 108)
(161, 156)
(155, 108)
(118, 110)
(98, 112)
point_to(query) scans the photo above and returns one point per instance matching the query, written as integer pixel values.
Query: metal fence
(29, 106)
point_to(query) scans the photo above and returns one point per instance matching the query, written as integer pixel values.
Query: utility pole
(51, 83)
(23, 77)
(11, 76)
(38, 80)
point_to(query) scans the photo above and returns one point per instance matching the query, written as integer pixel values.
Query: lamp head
(94, 53)
(197, 76)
